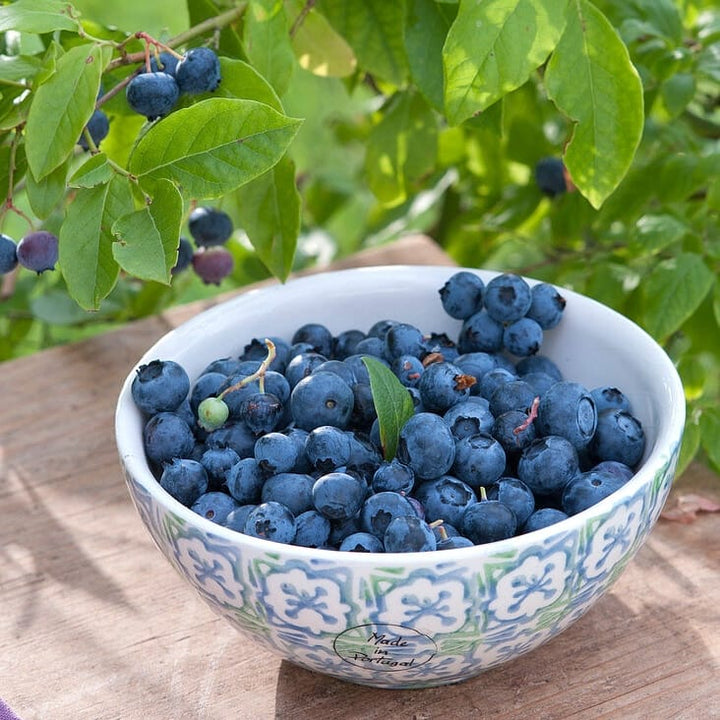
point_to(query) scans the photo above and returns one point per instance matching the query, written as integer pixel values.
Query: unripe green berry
(212, 413)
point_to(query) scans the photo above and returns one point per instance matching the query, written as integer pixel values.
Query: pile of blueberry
(283, 442)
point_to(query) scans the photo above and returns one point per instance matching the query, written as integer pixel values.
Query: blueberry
(244, 481)
(479, 460)
(257, 349)
(237, 518)
(210, 226)
(327, 448)
(262, 412)
(160, 386)
(440, 345)
(619, 436)
(293, 490)
(364, 413)
(311, 529)
(512, 395)
(276, 452)
(454, 542)
(538, 381)
(404, 339)
(446, 498)
(462, 295)
(408, 369)
(380, 328)
(164, 62)
(443, 385)
(516, 495)
(550, 176)
(476, 363)
(548, 464)
(613, 467)
(213, 265)
(361, 542)
(568, 409)
(365, 457)
(608, 397)
(345, 343)
(8, 254)
(186, 480)
(542, 518)
(408, 533)
(322, 399)
(184, 256)
(302, 365)
(198, 71)
(546, 305)
(167, 436)
(338, 495)
(507, 298)
(98, 126)
(393, 476)
(481, 333)
(469, 417)
(426, 444)
(373, 346)
(209, 384)
(538, 363)
(514, 431)
(152, 94)
(271, 521)
(234, 435)
(339, 368)
(317, 335)
(488, 521)
(379, 509)
(588, 488)
(523, 337)
(492, 379)
(218, 462)
(38, 251)
(215, 506)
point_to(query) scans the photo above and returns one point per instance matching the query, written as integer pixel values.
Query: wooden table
(94, 623)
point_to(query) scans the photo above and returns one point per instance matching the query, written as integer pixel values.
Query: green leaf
(710, 434)
(96, 170)
(673, 291)
(401, 148)
(677, 92)
(375, 31)
(229, 43)
(493, 47)
(62, 107)
(148, 238)
(690, 445)
(318, 48)
(56, 307)
(425, 32)
(19, 172)
(38, 16)
(267, 42)
(268, 209)
(653, 233)
(14, 68)
(591, 79)
(86, 256)
(44, 195)
(215, 146)
(393, 404)
(240, 80)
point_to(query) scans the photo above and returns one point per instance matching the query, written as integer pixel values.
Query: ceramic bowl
(412, 619)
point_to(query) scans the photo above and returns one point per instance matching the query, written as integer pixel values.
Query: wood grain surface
(96, 625)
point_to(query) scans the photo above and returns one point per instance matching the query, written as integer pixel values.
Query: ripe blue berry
(443, 385)
(619, 436)
(160, 386)
(322, 399)
(548, 464)
(8, 254)
(516, 495)
(271, 521)
(446, 498)
(361, 542)
(507, 298)
(152, 94)
(276, 452)
(546, 305)
(408, 533)
(542, 518)
(567, 409)
(338, 495)
(481, 333)
(426, 445)
(311, 529)
(185, 479)
(293, 490)
(98, 126)
(198, 71)
(523, 337)
(244, 481)
(550, 176)
(167, 436)
(215, 506)
(462, 295)
(184, 256)
(479, 460)
(209, 226)
(488, 521)
(588, 488)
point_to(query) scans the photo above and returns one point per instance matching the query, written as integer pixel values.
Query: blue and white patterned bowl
(414, 619)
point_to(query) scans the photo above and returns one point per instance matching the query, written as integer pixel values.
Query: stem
(307, 7)
(9, 204)
(213, 23)
(258, 375)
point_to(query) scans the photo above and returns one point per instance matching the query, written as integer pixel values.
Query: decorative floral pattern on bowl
(412, 619)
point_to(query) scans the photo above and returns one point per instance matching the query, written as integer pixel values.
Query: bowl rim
(663, 454)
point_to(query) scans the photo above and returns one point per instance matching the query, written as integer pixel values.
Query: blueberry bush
(575, 141)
